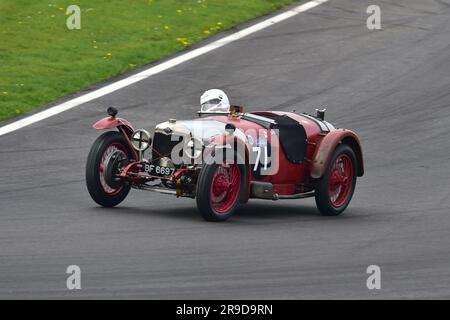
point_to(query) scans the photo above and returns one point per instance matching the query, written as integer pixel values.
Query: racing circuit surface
(391, 86)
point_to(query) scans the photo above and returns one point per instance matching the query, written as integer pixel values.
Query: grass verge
(41, 60)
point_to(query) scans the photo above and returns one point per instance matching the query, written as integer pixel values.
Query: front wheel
(220, 190)
(108, 156)
(335, 189)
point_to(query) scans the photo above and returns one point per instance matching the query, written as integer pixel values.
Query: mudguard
(326, 147)
(122, 125)
(113, 122)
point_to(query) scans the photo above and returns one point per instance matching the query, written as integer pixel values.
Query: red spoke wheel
(220, 189)
(225, 187)
(109, 153)
(335, 189)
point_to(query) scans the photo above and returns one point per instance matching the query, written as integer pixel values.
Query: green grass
(41, 60)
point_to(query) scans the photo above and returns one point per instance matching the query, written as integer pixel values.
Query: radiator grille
(163, 145)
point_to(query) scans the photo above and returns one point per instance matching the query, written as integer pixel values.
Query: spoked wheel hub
(341, 180)
(112, 161)
(225, 187)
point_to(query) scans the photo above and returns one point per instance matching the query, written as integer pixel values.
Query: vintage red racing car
(227, 156)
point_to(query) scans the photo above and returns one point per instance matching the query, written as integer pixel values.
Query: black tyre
(335, 189)
(220, 190)
(109, 153)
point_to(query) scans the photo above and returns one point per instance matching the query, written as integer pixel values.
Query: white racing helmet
(214, 100)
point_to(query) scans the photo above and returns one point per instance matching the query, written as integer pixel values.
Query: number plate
(159, 171)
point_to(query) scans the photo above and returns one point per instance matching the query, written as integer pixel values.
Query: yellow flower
(206, 32)
(179, 11)
(166, 27)
(183, 41)
(18, 111)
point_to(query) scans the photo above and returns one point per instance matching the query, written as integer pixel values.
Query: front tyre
(335, 189)
(220, 189)
(108, 155)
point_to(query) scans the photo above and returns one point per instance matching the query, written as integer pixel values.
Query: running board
(264, 190)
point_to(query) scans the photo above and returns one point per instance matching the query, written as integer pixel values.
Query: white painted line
(157, 69)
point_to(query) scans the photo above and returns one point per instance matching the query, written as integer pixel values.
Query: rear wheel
(108, 156)
(335, 189)
(220, 188)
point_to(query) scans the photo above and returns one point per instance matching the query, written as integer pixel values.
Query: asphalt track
(391, 86)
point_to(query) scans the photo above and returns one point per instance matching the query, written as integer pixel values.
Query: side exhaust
(264, 190)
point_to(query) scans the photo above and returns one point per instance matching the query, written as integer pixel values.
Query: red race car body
(223, 160)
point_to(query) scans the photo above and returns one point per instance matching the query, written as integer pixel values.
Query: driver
(214, 100)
